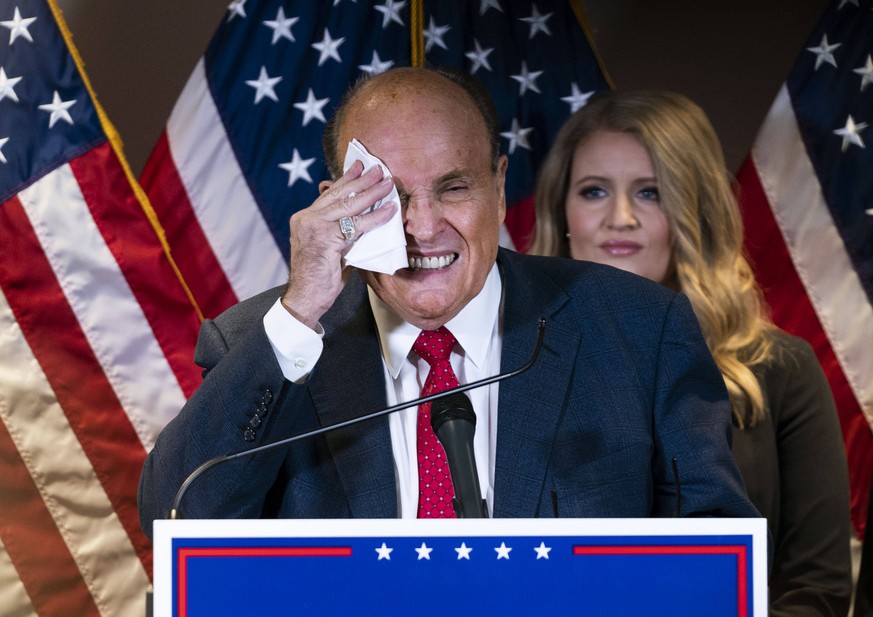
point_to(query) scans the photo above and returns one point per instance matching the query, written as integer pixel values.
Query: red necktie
(435, 490)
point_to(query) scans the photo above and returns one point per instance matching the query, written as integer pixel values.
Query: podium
(387, 567)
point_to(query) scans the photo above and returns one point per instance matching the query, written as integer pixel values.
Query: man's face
(435, 144)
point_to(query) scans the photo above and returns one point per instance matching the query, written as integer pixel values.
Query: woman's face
(613, 207)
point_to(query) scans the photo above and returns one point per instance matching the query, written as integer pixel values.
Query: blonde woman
(638, 181)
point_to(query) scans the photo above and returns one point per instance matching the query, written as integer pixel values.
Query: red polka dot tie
(435, 490)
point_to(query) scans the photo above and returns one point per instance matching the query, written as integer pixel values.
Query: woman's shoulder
(793, 379)
(790, 353)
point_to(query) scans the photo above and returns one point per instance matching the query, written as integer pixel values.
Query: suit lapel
(530, 405)
(529, 411)
(349, 382)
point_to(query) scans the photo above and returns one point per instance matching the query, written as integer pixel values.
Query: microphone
(454, 422)
(175, 513)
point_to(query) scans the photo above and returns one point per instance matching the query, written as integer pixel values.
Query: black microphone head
(455, 406)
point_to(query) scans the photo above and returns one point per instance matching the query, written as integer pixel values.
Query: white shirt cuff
(296, 346)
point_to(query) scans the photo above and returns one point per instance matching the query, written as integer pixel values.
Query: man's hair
(479, 96)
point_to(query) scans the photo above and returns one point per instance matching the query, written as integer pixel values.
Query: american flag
(807, 196)
(96, 336)
(241, 151)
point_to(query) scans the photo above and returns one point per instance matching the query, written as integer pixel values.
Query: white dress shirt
(477, 356)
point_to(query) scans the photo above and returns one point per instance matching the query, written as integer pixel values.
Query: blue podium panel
(612, 567)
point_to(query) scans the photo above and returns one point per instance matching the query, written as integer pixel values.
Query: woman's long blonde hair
(697, 197)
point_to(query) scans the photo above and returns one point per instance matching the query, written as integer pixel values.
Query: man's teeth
(431, 263)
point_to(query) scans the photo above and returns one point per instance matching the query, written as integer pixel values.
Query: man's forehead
(437, 179)
(411, 127)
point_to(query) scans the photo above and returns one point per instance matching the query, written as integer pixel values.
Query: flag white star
(390, 12)
(527, 79)
(237, 7)
(479, 57)
(463, 551)
(3, 141)
(484, 5)
(311, 108)
(18, 26)
(866, 73)
(329, 48)
(58, 109)
(281, 26)
(423, 551)
(376, 65)
(263, 86)
(517, 136)
(542, 550)
(384, 552)
(7, 85)
(502, 551)
(297, 168)
(850, 133)
(537, 22)
(823, 52)
(434, 35)
(577, 99)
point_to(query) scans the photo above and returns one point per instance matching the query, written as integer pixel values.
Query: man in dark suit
(623, 408)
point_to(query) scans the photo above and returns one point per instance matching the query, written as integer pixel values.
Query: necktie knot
(434, 345)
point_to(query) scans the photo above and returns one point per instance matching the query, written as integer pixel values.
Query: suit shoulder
(595, 281)
(241, 316)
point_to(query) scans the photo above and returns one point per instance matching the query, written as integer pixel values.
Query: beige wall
(729, 56)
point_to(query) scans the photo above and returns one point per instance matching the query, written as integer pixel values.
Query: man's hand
(318, 244)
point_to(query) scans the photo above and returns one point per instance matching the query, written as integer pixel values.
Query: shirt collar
(472, 327)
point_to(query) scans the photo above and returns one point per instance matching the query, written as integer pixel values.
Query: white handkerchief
(384, 248)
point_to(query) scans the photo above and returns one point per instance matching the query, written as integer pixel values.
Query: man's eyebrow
(448, 177)
(455, 174)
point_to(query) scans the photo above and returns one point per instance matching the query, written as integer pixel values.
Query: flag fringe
(416, 33)
(580, 12)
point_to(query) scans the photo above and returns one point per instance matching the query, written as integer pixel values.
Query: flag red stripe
(191, 249)
(142, 261)
(520, 221)
(792, 311)
(82, 389)
(35, 546)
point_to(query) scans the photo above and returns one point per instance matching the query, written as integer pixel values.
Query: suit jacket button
(255, 422)
(249, 435)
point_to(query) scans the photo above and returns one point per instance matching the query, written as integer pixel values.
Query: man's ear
(502, 164)
(323, 186)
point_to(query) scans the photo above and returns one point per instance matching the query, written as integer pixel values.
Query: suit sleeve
(811, 571)
(694, 470)
(236, 408)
